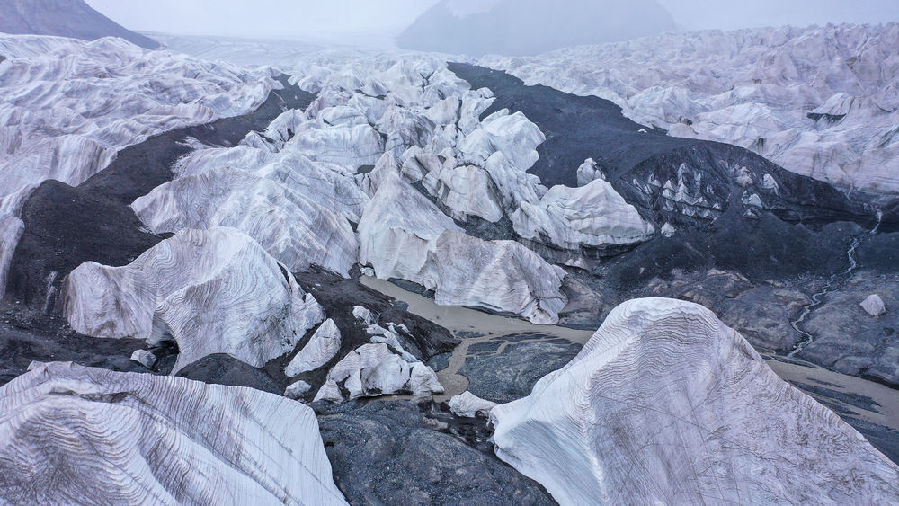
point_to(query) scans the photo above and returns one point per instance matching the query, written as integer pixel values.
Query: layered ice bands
(67, 107)
(405, 236)
(74, 435)
(666, 404)
(211, 291)
(819, 101)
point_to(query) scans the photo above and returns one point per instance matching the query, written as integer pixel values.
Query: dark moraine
(223, 369)
(66, 226)
(338, 296)
(507, 368)
(801, 226)
(394, 453)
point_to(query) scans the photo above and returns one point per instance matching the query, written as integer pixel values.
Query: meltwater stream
(834, 282)
(471, 327)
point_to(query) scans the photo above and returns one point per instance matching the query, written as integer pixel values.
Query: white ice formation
(469, 405)
(374, 369)
(145, 358)
(297, 389)
(819, 101)
(591, 215)
(212, 291)
(74, 435)
(666, 404)
(322, 347)
(403, 235)
(873, 305)
(67, 107)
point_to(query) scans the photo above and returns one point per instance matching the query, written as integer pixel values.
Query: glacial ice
(667, 404)
(819, 101)
(211, 291)
(72, 434)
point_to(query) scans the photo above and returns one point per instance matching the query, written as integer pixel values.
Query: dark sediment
(506, 368)
(393, 453)
(66, 226)
(223, 369)
(338, 296)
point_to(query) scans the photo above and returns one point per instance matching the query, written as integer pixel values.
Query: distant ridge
(530, 27)
(65, 18)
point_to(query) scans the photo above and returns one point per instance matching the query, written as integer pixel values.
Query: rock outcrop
(666, 403)
(211, 291)
(78, 435)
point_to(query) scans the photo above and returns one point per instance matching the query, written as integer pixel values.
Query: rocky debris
(28, 335)
(566, 434)
(404, 236)
(764, 89)
(64, 18)
(391, 453)
(144, 357)
(297, 390)
(321, 348)
(506, 368)
(92, 426)
(873, 305)
(223, 369)
(848, 339)
(211, 291)
(373, 370)
(468, 405)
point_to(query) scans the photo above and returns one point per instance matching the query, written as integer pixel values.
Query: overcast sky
(333, 19)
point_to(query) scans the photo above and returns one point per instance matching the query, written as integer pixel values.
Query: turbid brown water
(473, 327)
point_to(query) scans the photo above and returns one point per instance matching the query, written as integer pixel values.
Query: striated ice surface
(666, 404)
(75, 435)
(819, 101)
(67, 106)
(591, 215)
(322, 347)
(405, 236)
(211, 291)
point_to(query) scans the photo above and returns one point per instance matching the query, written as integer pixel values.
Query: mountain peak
(65, 18)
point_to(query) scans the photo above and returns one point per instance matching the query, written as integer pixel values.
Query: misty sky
(334, 19)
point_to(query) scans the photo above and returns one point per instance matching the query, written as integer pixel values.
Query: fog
(715, 14)
(378, 21)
